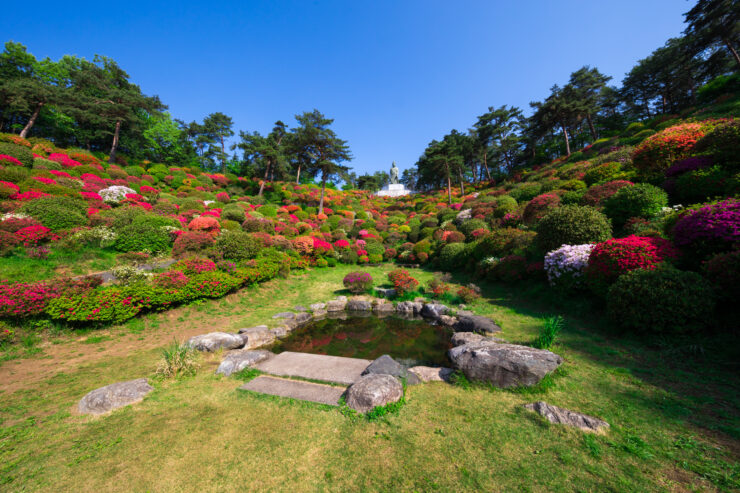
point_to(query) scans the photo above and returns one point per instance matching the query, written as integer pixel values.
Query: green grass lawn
(673, 414)
(18, 267)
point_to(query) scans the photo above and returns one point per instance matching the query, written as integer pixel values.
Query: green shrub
(525, 191)
(703, 184)
(178, 360)
(41, 163)
(471, 225)
(451, 256)
(192, 204)
(642, 200)
(502, 242)
(664, 300)
(155, 221)
(601, 173)
(268, 210)
(504, 205)
(142, 238)
(233, 212)
(572, 197)
(14, 174)
(238, 245)
(723, 143)
(21, 153)
(57, 213)
(136, 171)
(572, 225)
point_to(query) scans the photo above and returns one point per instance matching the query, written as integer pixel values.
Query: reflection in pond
(408, 341)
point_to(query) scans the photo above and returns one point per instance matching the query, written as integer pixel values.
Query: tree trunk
(323, 187)
(485, 163)
(462, 182)
(114, 146)
(223, 156)
(567, 140)
(298, 175)
(32, 120)
(262, 185)
(733, 51)
(449, 184)
(591, 126)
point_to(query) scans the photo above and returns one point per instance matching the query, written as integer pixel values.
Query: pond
(409, 341)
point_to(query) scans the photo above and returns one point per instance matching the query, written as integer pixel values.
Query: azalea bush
(612, 258)
(402, 281)
(565, 266)
(658, 152)
(711, 229)
(358, 282)
(572, 225)
(641, 200)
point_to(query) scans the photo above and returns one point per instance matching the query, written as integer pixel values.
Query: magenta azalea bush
(358, 282)
(711, 229)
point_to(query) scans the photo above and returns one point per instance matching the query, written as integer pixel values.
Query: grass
(551, 327)
(60, 261)
(674, 421)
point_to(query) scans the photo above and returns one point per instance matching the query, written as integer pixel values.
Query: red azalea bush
(595, 195)
(8, 241)
(358, 282)
(6, 160)
(402, 281)
(511, 268)
(14, 224)
(194, 265)
(658, 152)
(610, 259)
(205, 224)
(8, 189)
(171, 279)
(190, 242)
(539, 206)
(34, 235)
(223, 197)
(23, 299)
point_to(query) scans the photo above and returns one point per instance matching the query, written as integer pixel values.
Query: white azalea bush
(565, 265)
(115, 194)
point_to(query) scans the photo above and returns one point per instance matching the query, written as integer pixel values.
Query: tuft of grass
(247, 374)
(178, 360)
(549, 332)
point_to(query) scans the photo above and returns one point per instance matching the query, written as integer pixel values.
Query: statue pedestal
(394, 190)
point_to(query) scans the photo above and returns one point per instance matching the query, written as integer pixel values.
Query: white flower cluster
(13, 215)
(208, 202)
(100, 235)
(490, 261)
(115, 194)
(566, 264)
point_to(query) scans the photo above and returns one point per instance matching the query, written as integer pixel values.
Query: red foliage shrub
(595, 195)
(205, 224)
(658, 152)
(402, 281)
(539, 206)
(191, 242)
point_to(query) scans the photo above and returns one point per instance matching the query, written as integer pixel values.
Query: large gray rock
(318, 307)
(504, 365)
(355, 305)
(460, 338)
(447, 320)
(373, 390)
(432, 374)
(476, 323)
(280, 332)
(113, 396)
(299, 320)
(386, 292)
(215, 341)
(236, 361)
(337, 305)
(385, 365)
(434, 310)
(409, 307)
(566, 417)
(255, 337)
(384, 308)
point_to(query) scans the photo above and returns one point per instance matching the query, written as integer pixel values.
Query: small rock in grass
(373, 390)
(432, 374)
(476, 323)
(566, 417)
(215, 341)
(236, 361)
(113, 396)
(284, 315)
(300, 308)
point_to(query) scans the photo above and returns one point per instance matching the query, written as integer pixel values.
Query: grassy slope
(672, 421)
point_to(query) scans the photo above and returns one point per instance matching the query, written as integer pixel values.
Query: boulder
(300, 308)
(215, 341)
(299, 320)
(409, 307)
(255, 337)
(460, 338)
(504, 365)
(236, 361)
(337, 305)
(357, 305)
(318, 307)
(434, 310)
(280, 332)
(476, 323)
(384, 308)
(385, 365)
(463, 215)
(566, 417)
(386, 292)
(447, 320)
(113, 396)
(432, 374)
(373, 390)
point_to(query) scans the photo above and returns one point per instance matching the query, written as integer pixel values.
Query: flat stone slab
(558, 415)
(335, 369)
(295, 389)
(113, 396)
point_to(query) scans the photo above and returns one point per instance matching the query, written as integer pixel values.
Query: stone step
(295, 389)
(334, 369)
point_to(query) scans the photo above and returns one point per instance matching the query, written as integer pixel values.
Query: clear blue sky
(393, 74)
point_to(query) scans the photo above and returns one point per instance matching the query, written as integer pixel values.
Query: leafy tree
(320, 148)
(560, 109)
(163, 137)
(714, 23)
(496, 135)
(267, 152)
(215, 129)
(587, 85)
(373, 182)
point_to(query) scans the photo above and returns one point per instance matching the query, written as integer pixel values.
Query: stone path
(335, 369)
(295, 389)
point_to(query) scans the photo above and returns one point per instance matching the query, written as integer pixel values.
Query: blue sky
(393, 74)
